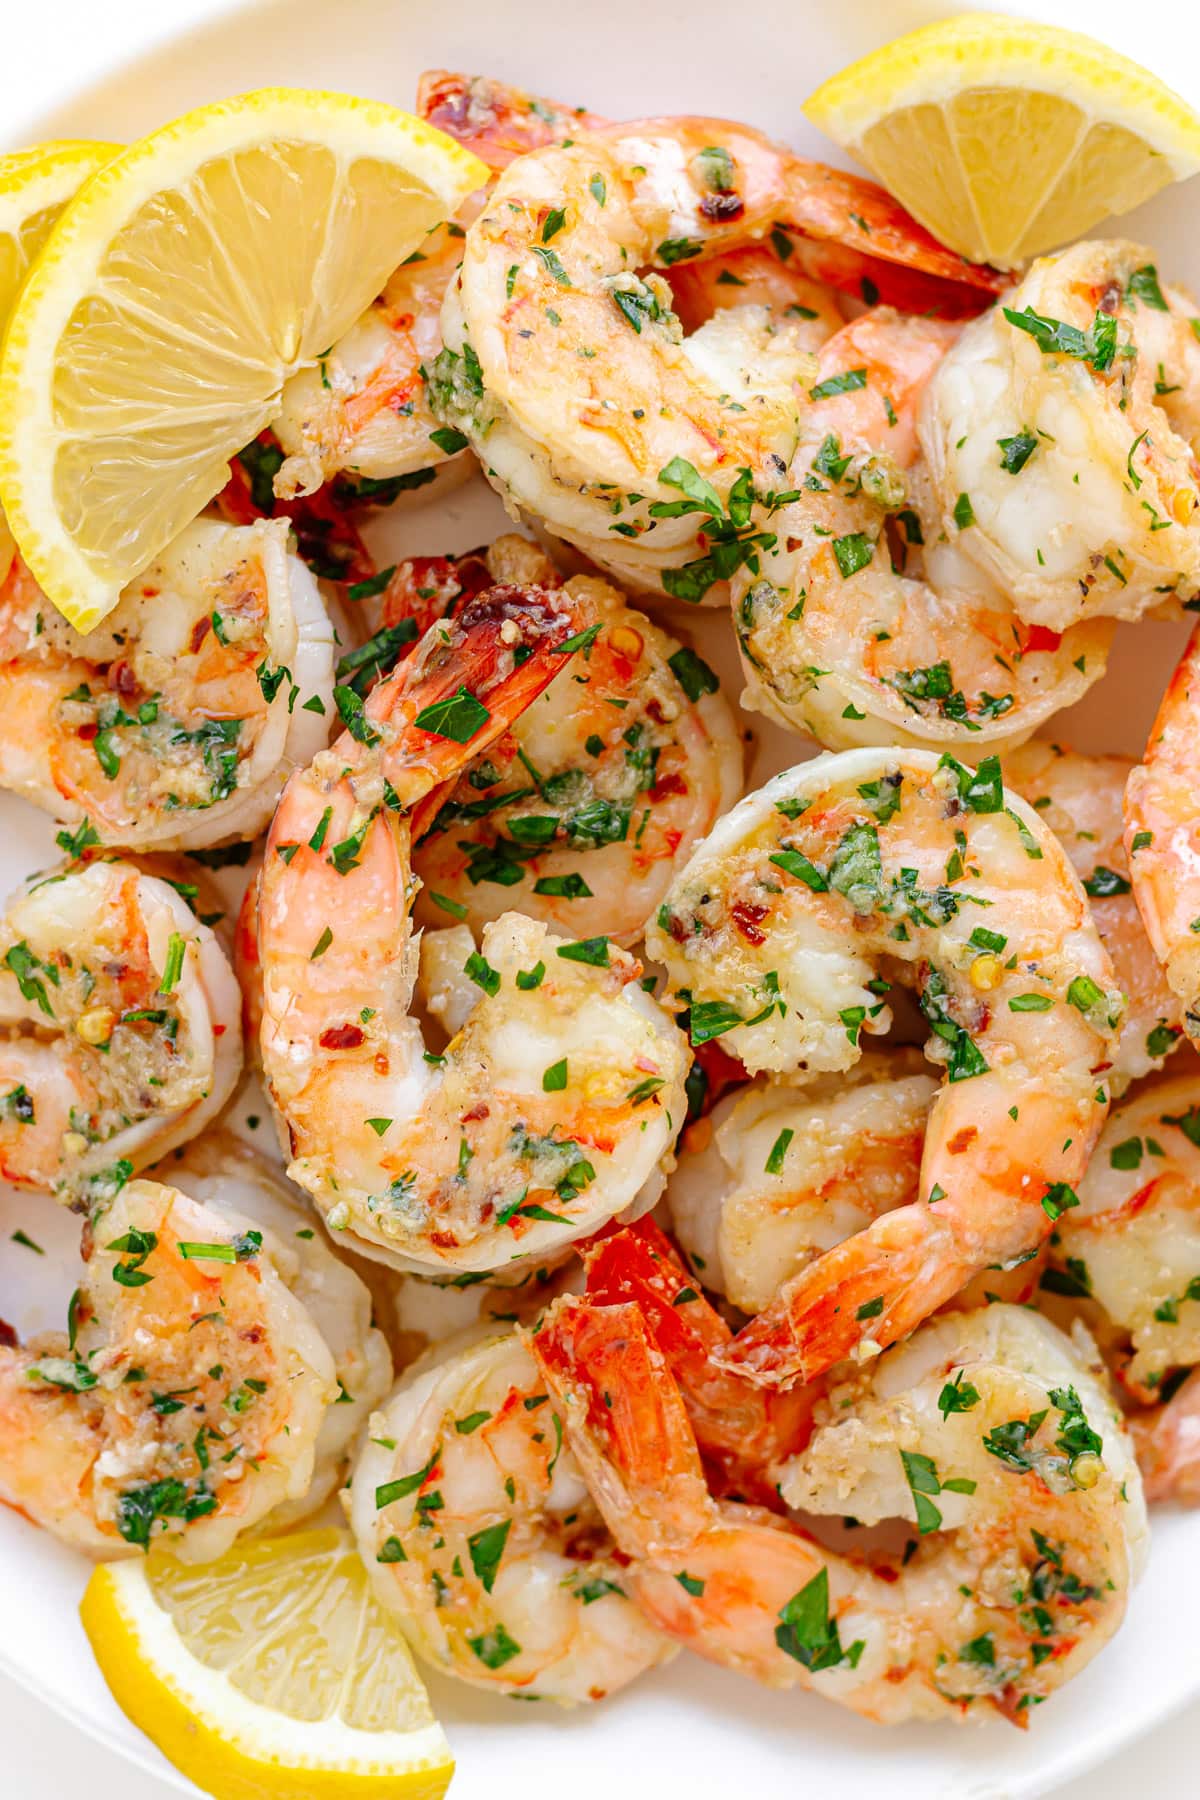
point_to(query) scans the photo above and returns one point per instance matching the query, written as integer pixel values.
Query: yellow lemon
(271, 1674)
(1005, 137)
(188, 279)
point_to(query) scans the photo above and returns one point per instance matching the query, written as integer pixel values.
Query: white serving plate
(691, 1726)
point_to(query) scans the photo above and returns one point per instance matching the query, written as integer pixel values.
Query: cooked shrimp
(363, 411)
(1133, 1243)
(477, 1529)
(121, 1032)
(836, 230)
(790, 271)
(783, 1170)
(860, 627)
(1162, 836)
(585, 810)
(1059, 431)
(1167, 1442)
(557, 1102)
(991, 1431)
(743, 1431)
(185, 1400)
(783, 934)
(229, 1178)
(176, 722)
(569, 372)
(1080, 799)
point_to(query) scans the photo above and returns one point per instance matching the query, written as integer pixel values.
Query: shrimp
(1167, 1442)
(556, 1103)
(1080, 799)
(862, 626)
(229, 1178)
(186, 1399)
(990, 1431)
(743, 1431)
(1162, 836)
(585, 810)
(477, 1530)
(783, 1170)
(568, 371)
(1133, 1244)
(363, 411)
(121, 1031)
(789, 270)
(784, 933)
(176, 722)
(1060, 430)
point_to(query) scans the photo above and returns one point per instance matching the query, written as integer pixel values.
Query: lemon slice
(1007, 138)
(35, 185)
(184, 284)
(271, 1672)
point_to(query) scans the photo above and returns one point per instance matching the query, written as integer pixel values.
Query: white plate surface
(691, 1728)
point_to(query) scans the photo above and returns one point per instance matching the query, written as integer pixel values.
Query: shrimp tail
(465, 682)
(626, 1422)
(827, 203)
(740, 1429)
(873, 1288)
(494, 120)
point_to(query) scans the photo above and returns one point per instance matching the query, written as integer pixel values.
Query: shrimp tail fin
(874, 1287)
(464, 684)
(497, 122)
(626, 1422)
(826, 203)
(741, 1429)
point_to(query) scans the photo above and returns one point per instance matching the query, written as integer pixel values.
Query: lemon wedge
(188, 279)
(35, 185)
(1006, 138)
(271, 1674)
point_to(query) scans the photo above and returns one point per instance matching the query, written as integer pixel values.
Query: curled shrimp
(782, 1170)
(1162, 836)
(989, 1431)
(476, 1527)
(557, 1101)
(1060, 428)
(784, 934)
(1080, 798)
(187, 1398)
(569, 371)
(121, 1032)
(840, 221)
(176, 722)
(227, 1177)
(363, 411)
(863, 625)
(581, 814)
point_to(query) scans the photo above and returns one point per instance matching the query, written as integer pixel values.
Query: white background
(51, 48)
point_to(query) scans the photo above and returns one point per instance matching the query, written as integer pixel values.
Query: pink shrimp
(1022, 1567)
(1162, 835)
(553, 1106)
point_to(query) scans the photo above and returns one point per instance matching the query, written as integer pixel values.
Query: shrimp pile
(731, 1196)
